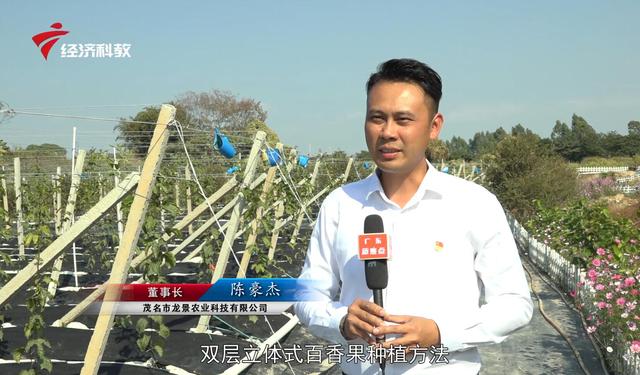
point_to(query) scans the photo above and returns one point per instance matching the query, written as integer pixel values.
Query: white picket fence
(627, 189)
(567, 276)
(622, 180)
(592, 170)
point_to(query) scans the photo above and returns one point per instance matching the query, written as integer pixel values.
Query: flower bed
(605, 281)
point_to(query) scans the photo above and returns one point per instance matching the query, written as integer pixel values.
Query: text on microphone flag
(373, 246)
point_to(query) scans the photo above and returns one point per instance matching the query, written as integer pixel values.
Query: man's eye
(403, 120)
(376, 118)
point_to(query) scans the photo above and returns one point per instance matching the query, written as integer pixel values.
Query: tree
(137, 131)
(258, 125)
(499, 134)
(586, 138)
(437, 150)
(221, 109)
(633, 138)
(482, 143)
(634, 128)
(563, 140)
(522, 171)
(459, 149)
(47, 149)
(4, 148)
(521, 130)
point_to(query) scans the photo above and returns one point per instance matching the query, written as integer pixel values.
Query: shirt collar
(432, 181)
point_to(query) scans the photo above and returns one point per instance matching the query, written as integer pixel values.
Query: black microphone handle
(377, 299)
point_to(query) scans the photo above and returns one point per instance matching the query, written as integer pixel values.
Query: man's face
(400, 123)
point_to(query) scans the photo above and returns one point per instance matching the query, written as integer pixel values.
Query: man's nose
(389, 130)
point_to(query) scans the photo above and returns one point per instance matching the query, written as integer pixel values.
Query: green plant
(578, 229)
(39, 236)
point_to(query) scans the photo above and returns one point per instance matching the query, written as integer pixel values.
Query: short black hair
(411, 71)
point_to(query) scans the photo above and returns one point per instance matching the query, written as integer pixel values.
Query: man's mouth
(389, 152)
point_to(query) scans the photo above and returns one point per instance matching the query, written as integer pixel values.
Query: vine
(36, 346)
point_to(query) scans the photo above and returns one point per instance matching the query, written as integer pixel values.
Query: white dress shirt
(449, 244)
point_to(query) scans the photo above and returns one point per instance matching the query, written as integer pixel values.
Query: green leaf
(164, 331)
(141, 325)
(143, 342)
(159, 350)
(17, 354)
(46, 364)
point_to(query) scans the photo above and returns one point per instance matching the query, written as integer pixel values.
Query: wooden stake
(17, 182)
(5, 201)
(177, 189)
(187, 176)
(246, 255)
(116, 179)
(345, 176)
(59, 201)
(132, 230)
(68, 219)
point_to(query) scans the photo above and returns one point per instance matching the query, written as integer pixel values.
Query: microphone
(373, 248)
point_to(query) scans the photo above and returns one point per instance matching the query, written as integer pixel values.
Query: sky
(501, 62)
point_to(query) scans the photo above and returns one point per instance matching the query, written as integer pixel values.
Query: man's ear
(436, 125)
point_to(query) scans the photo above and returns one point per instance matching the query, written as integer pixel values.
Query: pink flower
(592, 273)
(609, 295)
(634, 292)
(600, 251)
(609, 256)
(599, 287)
(617, 241)
(616, 277)
(635, 345)
(629, 281)
(601, 305)
(592, 329)
(596, 262)
(572, 293)
(632, 326)
(620, 301)
(633, 241)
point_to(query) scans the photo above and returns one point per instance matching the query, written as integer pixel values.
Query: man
(450, 240)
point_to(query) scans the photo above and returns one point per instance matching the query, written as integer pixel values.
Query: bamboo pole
(132, 230)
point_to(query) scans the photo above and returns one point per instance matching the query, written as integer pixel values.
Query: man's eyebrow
(403, 113)
(375, 112)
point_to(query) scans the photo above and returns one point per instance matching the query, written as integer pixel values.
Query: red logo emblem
(47, 39)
